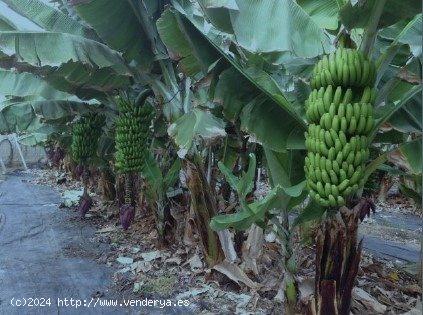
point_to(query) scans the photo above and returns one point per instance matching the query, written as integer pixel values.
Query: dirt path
(47, 253)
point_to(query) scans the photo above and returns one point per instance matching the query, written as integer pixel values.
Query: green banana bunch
(85, 135)
(345, 67)
(339, 111)
(132, 135)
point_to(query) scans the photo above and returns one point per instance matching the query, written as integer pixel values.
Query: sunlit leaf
(197, 124)
(53, 49)
(49, 18)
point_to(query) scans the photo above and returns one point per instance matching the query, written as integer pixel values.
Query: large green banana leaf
(74, 78)
(119, 25)
(69, 81)
(6, 24)
(272, 26)
(357, 14)
(286, 170)
(253, 80)
(27, 84)
(49, 18)
(268, 124)
(193, 126)
(323, 12)
(408, 118)
(176, 41)
(39, 133)
(218, 12)
(399, 101)
(19, 116)
(260, 117)
(404, 32)
(107, 72)
(395, 103)
(260, 79)
(40, 49)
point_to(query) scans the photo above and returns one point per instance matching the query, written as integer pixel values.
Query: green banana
(341, 110)
(344, 124)
(353, 126)
(337, 96)
(335, 123)
(345, 75)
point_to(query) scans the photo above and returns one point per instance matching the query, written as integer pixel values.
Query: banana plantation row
(216, 97)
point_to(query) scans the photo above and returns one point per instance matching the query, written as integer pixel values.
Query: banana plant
(258, 73)
(132, 139)
(265, 212)
(257, 212)
(159, 183)
(86, 132)
(382, 40)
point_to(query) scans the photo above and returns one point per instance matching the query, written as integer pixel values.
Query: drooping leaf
(415, 194)
(195, 125)
(27, 84)
(6, 24)
(405, 32)
(383, 113)
(218, 12)
(75, 78)
(40, 134)
(270, 125)
(117, 24)
(409, 156)
(408, 118)
(233, 92)
(323, 12)
(357, 14)
(173, 107)
(258, 78)
(49, 18)
(260, 116)
(408, 150)
(19, 115)
(53, 49)
(175, 40)
(195, 50)
(288, 28)
(392, 136)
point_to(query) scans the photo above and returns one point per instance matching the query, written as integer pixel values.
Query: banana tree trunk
(107, 184)
(85, 202)
(338, 254)
(203, 204)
